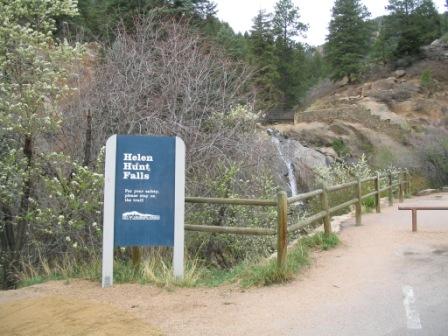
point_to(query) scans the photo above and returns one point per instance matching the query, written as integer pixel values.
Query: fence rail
(398, 183)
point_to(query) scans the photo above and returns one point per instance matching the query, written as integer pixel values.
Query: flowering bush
(343, 172)
(66, 216)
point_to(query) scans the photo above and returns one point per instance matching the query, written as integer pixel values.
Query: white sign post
(144, 194)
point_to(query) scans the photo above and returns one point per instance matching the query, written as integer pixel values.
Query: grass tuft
(321, 241)
(266, 273)
(157, 271)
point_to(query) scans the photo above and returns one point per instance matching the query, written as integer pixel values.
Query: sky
(315, 13)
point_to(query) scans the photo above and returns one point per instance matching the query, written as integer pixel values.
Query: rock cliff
(390, 118)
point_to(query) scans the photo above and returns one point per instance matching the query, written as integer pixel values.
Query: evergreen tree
(99, 18)
(445, 19)
(286, 22)
(262, 56)
(348, 39)
(286, 27)
(412, 24)
(316, 68)
(384, 46)
(428, 22)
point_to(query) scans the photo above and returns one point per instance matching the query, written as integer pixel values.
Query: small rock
(328, 151)
(399, 73)
(344, 81)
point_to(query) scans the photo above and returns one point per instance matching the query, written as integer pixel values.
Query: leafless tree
(163, 78)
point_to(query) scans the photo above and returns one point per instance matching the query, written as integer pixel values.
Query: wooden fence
(394, 183)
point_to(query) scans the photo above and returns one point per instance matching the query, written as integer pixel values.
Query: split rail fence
(398, 183)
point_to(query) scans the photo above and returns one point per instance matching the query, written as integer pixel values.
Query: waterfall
(292, 181)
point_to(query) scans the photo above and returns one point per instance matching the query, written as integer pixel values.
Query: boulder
(384, 84)
(400, 73)
(344, 81)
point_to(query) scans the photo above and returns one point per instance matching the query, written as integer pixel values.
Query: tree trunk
(8, 246)
(13, 242)
(27, 188)
(88, 143)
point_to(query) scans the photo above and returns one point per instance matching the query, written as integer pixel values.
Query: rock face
(437, 50)
(383, 112)
(298, 160)
(388, 119)
(385, 118)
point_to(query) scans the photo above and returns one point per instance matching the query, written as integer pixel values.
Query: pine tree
(383, 47)
(428, 22)
(348, 39)
(99, 19)
(413, 23)
(286, 22)
(262, 56)
(286, 28)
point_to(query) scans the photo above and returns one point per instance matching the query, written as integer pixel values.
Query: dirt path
(383, 280)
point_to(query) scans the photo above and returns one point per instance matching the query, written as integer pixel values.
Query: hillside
(391, 119)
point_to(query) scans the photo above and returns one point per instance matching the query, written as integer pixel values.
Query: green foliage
(226, 251)
(262, 57)
(343, 172)
(286, 26)
(285, 70)
(428, 83)
(98, 20)
(340, 147)
(348, 40)
(321, 241)
(266, 273)
(384, 45)
(67, 219)
(155, 269)
(286, 23)
(369, 203)
(411, 25)
(35, 74)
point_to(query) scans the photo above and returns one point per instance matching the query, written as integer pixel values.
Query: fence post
(391, 193)
(358, 208)
(414, 220)
(400, 188)
(325, 207)
(377, 195)
(408, 183)
(136, 256)
(282, 229)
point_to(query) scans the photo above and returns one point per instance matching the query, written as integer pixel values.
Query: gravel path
(383, 280)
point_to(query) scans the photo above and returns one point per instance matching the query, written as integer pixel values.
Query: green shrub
(226, 250)
(369, 203)
(340, 147)
(428, 83)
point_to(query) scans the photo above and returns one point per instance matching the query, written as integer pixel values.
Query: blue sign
(144, 197)
(144, 191)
